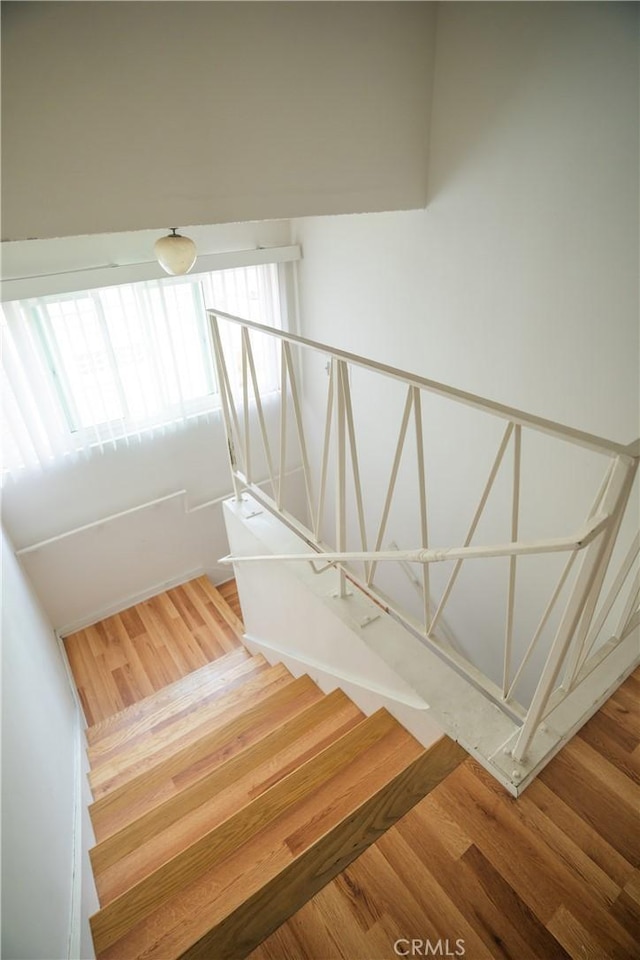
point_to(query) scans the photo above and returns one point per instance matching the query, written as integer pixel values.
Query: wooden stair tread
(142, 708)
(227, 799)
(128, 856)
(289, 857)
(216, 597)
(168, 737)
(195, 606)
(201, 755)
(344, 756)
(182, 698)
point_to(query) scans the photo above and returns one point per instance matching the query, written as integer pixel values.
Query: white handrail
(594, 540)
(570, 434)
(439, 555)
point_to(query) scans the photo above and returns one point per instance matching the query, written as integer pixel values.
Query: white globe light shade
(175, 254)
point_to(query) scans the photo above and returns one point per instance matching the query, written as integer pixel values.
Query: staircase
(224, 801)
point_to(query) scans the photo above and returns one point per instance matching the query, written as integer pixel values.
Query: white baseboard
(130, 601)
(75, 917)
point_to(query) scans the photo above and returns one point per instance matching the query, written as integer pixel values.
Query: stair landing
(135, 653)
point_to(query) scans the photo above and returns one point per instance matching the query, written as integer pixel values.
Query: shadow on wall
(496, 65)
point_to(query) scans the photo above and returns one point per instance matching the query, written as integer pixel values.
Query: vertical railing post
(226, 413)
(355, 465)
(260, 412)
(325, 450)
(392, 480)
(341, 505)
(607, 604)
(297, 413)
(597, 553)
(575, 655)
(283, 425)
(511, 593)
(543, 621)
(245, 405)
(422, 499)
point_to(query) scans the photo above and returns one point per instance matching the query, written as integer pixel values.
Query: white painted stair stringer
(411, 710)
(295, 615)
(353, 643)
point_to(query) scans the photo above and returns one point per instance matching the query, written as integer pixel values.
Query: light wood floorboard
(552, 875)
(138, 651)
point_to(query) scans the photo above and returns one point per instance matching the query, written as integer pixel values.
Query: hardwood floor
(554, 874)
(551, 875)
(131, 655)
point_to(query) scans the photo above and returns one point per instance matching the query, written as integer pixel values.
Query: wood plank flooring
(552, 875)
(129, 656)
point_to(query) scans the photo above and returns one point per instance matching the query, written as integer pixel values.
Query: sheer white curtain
(85, 370)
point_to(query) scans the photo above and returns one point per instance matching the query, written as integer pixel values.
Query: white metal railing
(588, 550)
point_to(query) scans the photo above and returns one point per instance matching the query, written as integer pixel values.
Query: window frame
(47, 353)
(49, 346)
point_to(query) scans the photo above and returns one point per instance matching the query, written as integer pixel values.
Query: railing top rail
(579, 437)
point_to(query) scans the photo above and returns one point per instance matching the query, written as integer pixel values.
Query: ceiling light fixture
(176, 254)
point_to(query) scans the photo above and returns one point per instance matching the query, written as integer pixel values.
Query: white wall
(130, 116)
(70, 494)
(119, 546)
(519, 280)
(93, 572)
(39, 753)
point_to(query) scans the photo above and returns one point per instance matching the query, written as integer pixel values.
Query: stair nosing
(103, 728)
(401, 783)
(116, 797)
(388, 728)
(275, 740)
(101, 778)
(151, 892)
(212, 687)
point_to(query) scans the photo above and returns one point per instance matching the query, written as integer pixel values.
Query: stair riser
(167, 741)
(119, 916)
(211, 596)
(258, 916)
(182, 769)
(241, 932)
(132, 854)
(173, 711)
(148, 707)
(235, 905)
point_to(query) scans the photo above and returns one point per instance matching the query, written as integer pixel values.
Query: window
(84, 369)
